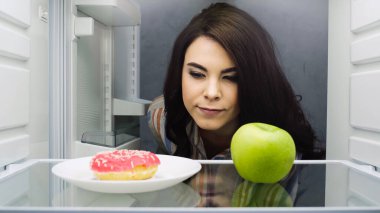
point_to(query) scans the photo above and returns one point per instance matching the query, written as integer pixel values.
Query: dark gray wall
(298, 27)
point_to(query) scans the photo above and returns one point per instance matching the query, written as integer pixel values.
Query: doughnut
(124, 165)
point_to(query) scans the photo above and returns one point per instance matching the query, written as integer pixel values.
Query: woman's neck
(215, 141)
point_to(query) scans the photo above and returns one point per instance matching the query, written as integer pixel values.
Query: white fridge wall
(23, 84)
(339, 66)
(353, 101)
(17, 12)
(14, 110)
(93, 84)
(38, 128)
(338, 129)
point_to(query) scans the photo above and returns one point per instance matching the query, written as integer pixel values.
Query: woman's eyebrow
(228, 70)
(195, 65)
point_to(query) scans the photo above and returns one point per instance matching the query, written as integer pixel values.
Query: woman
(224, 73)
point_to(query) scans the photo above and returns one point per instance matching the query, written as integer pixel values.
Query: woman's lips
(209, 111)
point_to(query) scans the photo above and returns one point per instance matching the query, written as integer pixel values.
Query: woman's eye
(196, 74)
(232, 78)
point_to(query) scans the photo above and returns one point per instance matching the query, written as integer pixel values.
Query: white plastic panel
(13, 149)
(338, 84)
(364, 150)
(127, 62)
(16, 187)
(83, 26)
(111, 12)
(364, 14)
(16, 11)
(365, 100)
(13, 44)
(363, 188)
(366, 50)
(93, 81)
(14, 93)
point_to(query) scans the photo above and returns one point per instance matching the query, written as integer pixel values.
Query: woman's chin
(217, 125)
(209, 126)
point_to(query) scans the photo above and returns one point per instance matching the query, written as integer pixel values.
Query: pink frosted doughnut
(124, 165)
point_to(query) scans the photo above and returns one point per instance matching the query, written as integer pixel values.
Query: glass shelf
(315, 186)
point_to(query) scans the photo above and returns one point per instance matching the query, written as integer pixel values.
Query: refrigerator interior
(102, 81)
(81, 95)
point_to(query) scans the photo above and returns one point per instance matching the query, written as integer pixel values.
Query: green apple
(262, 153)
(249, 194)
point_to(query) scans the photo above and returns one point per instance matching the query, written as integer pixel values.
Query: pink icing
(121, 160)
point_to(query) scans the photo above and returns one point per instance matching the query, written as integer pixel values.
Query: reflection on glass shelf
(180, 195)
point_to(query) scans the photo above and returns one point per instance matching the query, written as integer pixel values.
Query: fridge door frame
(61, 123)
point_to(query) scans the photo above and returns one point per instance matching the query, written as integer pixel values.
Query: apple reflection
(219, 185)
(249, 194)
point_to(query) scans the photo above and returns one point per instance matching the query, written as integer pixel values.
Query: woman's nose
(212, 90)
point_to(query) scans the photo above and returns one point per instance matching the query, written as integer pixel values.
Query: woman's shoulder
(155, 113)
(157, 103)
(156, 122)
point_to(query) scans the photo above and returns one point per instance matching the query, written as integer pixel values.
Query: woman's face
(209, 86)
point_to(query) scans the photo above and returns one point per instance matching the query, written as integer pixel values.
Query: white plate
(171, 171)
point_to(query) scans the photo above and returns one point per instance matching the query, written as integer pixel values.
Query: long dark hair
(264, 93)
